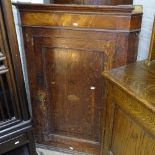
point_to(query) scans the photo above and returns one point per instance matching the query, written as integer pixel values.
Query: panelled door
(66, 86)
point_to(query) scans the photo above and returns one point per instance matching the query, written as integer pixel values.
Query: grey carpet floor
(53, 151)
(41, 151)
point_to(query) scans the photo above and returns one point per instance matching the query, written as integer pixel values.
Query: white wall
(147, 23)
(31, 1)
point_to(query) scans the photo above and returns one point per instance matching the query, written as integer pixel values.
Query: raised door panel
(74, 91)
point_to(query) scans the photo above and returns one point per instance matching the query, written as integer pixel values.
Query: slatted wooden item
(15, 121)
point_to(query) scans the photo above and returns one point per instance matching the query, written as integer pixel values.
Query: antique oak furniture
(15, 122)
(94, 2)
(130, 108)
(67, 48)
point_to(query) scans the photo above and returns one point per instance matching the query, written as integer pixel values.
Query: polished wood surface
(94, 2)
(140, 78)
(130, 110)
(67, 47)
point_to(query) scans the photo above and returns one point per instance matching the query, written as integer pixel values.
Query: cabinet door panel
(68, 88)
(75, 90)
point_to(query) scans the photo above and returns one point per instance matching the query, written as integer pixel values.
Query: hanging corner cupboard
(67, 48)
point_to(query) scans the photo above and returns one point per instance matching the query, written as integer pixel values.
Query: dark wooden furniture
(67, 47)
(94, 2)
(130, 108)
(15, 121)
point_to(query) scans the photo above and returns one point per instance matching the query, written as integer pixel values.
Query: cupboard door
(67, 91)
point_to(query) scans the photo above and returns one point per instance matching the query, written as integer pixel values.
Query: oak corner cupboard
(67, 48)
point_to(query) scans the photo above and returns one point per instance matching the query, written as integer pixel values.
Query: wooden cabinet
(67, 48)
(130, 112)
(94, 2)
(15, 121)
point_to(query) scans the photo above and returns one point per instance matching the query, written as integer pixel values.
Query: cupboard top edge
(126, 9)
